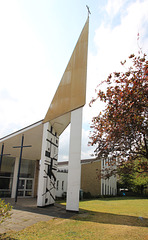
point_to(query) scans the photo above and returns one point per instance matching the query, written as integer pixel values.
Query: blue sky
(36, 42)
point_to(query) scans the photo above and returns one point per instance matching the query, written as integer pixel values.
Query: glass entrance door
(25, 188)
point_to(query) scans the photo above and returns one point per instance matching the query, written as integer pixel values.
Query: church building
(35, 148)
(29, 157)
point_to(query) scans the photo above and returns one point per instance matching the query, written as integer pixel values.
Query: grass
(102, 219)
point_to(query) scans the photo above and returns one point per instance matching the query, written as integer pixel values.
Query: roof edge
(22, 130)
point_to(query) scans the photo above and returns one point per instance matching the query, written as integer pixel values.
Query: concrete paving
(25, 213)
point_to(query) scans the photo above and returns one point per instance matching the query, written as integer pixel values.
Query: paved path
(25, 213)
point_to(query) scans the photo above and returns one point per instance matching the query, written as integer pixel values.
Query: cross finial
(88, 10)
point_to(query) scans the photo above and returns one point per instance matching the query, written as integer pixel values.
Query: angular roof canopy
(71, 92)
(70, 95)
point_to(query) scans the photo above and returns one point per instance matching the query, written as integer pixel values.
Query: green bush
(87, 195)
(4, 210)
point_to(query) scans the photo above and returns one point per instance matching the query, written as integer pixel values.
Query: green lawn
(105, 219)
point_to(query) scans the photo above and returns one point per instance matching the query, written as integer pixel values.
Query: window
(62, 185)
(57, 184)
(27, 168)
(102, 188)
(6, 176)
(25, 187)
(51, 129)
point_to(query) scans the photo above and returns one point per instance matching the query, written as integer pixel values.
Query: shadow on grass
(4, 237)
(59, 211)
(110, 218)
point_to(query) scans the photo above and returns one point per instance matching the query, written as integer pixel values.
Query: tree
(4, 210)
(120, 132)
(134, 179)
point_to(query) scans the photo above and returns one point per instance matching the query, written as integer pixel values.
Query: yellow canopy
(71, 92)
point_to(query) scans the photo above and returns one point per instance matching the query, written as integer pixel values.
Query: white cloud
(64, 145)
(114, 44)
(27, 80)
(24, 70)
(114, 6)
(87, 151)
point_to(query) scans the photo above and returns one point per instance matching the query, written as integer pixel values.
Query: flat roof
(83, 161)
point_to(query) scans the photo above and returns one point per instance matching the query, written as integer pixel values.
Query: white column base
(74, 166)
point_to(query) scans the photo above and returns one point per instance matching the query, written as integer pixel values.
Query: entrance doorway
(25, 188)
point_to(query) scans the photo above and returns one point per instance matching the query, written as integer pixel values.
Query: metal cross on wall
(2, 154)
(19, 167)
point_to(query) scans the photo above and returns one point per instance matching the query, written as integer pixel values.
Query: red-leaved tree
(120, 132)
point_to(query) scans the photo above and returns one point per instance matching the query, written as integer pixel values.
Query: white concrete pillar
(15, 177)
(48, 167)
(74, 166)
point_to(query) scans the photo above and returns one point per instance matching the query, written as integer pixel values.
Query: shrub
(4, 210)
(87, 195)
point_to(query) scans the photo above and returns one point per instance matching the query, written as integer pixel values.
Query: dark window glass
(5, 183)
(20, 193)
(21, 184)
(28, 193)
(51, 129)
(7, 166)
(57, 184)
(27, 168)
(29, 184)
(5, 194)
(62, 185)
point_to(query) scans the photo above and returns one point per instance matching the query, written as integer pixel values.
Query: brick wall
(89, 180)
